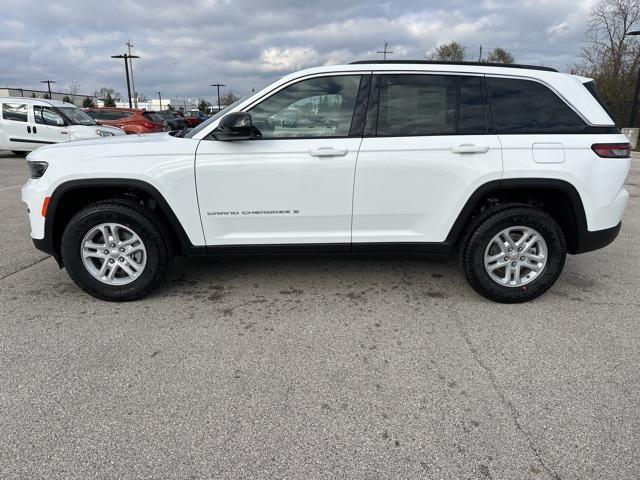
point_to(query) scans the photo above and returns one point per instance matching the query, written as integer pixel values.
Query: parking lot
(317, 368)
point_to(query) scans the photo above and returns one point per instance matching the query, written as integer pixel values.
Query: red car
(129, 119)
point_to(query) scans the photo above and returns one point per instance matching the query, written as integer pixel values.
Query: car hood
(153, 144)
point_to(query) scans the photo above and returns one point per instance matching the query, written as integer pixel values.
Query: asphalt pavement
(317, 368)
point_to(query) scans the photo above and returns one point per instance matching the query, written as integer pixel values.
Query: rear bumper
(589, 241)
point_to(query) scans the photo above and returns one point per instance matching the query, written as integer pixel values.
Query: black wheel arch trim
(47, 244)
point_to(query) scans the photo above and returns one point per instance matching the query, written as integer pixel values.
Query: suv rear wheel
(115, 251)
(514, 254)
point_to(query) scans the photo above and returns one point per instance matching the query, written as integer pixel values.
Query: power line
(126, 71)
(48, 82)
(218, 85)
(384, 51)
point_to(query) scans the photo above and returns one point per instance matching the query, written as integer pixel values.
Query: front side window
(318, 107)
(525, 106)
(417, 105)
(14, 111)
(77, 116)
(46, 115)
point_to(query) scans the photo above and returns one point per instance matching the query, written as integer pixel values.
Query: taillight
(612, 150)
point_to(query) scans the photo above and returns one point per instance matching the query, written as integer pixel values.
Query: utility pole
(126, 71)
(160, 98)
(133, 85)
(218, 85)
(384, 52)
(48, 82)
(480, 56)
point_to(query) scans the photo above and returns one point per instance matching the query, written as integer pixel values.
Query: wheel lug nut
(121, 259)
(122, 249)
(520, 249)
(521, 258)
(510, 249)
(106, 252)
(113, 245)
(111, 260)
(513, 264)
(506, 259)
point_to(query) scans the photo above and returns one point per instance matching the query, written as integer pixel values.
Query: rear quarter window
(152, 117)
(526, 106)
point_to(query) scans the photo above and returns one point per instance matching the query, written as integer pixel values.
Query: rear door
(17, 133)
(50, 126)
(427, 148)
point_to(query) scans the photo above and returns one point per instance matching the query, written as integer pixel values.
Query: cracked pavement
(317, 368)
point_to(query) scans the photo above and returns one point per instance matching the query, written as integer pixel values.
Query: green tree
(33, 95)
(109, 100)
(104, 91)
(88, 103)
(500, 55)
(449, 52)
(170, 108)
(46, 96)
(66, 99)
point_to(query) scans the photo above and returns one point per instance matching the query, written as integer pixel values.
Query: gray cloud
(185, 46)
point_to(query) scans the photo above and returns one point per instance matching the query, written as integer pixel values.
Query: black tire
(19, 153)
(493, 222)
(143, 223)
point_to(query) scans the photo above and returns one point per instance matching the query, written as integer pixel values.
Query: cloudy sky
(185, 45)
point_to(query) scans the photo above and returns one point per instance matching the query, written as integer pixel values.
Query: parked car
(509, 166)
(29, 123)
(173, 121)
(195, 117)
(129, 119)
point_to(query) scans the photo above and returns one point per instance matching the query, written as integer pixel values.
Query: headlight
(104, 133)
(37, 169)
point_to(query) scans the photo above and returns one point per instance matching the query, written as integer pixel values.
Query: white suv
(512, 167)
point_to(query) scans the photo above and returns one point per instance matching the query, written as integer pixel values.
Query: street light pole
(160, 98)
(634, 104)
(218, 85)
(126, 71)
(48, 82)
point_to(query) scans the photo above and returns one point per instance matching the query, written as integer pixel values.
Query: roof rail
(438, 62)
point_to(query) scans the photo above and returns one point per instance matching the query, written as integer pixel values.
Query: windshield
(75, 116)
(210, 120)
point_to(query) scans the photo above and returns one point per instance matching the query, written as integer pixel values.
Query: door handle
(328, 152)
(28, 129)
(467, 148)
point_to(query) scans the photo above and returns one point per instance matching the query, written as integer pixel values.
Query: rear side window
(525, 106)
(108, 114)
(14, 111)
(417, 105)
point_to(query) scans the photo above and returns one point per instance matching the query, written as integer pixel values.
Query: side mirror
(60, 122)
(235, 126)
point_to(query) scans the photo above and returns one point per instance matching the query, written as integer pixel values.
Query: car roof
(36, 101)
(118, 109)
(441, 62)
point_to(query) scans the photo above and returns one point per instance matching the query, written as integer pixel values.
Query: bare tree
(228, 98)
(613, 57)
(74, 87)
(500, 55)
(449, 52)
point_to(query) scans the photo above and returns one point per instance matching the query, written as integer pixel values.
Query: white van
(29, 123)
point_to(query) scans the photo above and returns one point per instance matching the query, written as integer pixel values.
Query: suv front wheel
(115, 251)
(514, 254)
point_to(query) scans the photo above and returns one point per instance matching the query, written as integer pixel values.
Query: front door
(294, 184)
(50, 126)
